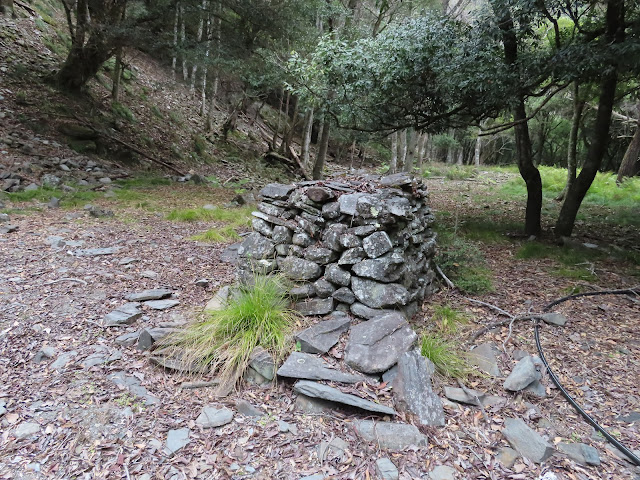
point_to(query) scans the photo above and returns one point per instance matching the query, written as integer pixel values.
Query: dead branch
(495, 325)
(446, 280)
(478, 403)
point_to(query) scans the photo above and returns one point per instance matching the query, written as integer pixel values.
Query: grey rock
(413, 392)
(299, 269)
(332, 234)
(507, 456)
(554, 318)
(262, 227)
(263, 363)
(230, 254)
(154, 294)
(281, 235)
(132, 384)
(363, 230)
(523, 374)
(334, 448)
(256, 247)
(312, 405)
(349, 240)
(177, 439)
(379, 295)
(277, 191)
(54, 202)
(377, 244)
(390, 375)
(388, 268)
(324, 392)
(248, 410)
(254, 378)
(352, 256)
(323, 288)
(302, 291)
(31, 187)
(301, 239)
(148, 336)
(396, 180)
(50, 180)
(4, 218)
(124, 315)
(320, 194)
(386, 470)
(220, 299)
(537, 389)
(45, 353)
(459, 395)
(283, 249)
(376, 345)
(526, 441)
(161, 304)
(212, 417)
(337, 275)
(322, 336)
(8, 228)
(315, 476)
(344, 295)
(26, 429)
(580, 453)
(320, 255)
(101, 357)
(314, 306)
(362, 311)
(128, 339)
(331, 210)
(484, 357)
(349, 202)
(63, 360)
(442, 472)
(390, 436)
(309, 367)
(105, 180)
(95, 252)
(149, 274)
(632, 417)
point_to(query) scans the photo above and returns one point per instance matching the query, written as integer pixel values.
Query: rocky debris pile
(361, 246)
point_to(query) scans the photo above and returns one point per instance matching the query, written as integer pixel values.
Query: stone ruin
(363, 246)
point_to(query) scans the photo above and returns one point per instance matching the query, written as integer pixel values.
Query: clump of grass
(464, 264)
(448, 361)
(258, 315)
(233, 216)
(123, 111)
(143, 182)
(448, 318)
(217, 235)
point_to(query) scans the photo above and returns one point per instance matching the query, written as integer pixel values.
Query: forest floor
(61, 417)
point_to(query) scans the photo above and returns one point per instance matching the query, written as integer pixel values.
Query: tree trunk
(322, 153)
(288, 139)
(630, 165)
(352, 152)
(572, 154)
(478, 149)
(176, 22)
(83, 63)
(450, 152)
(411, 151)
(528, 171)
(274, 140)
(393, 165)
(183, 38)
(306, 137)
(117, 76)
(215, 34)
(194, 68)
(422, 144)
(600, 137)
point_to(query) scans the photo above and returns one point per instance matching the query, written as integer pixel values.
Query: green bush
(448, 361)
(464, 264)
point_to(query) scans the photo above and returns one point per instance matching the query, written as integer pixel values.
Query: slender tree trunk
(478, 149)
(572, 153)
(306, 137)
(292, 130)
(320, 128)
(117, 76)
(352, 154)
(450, 152)
(411, 151)
(402, 149)
(176, 22)
(274, 141)
(528, 171)
(393, 166)
(183, 38)
(194, 68)
(421, 150)
(215, 34)
(322, 153)
(614, 34)
(630, 165)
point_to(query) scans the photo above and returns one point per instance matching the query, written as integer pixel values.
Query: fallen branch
(477, 400)
(508, 321)
(27, 8)
(193, 385)
(66, 279)
(497, 309)
(446, 280)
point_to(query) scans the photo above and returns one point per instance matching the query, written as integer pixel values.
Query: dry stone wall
(364, 246)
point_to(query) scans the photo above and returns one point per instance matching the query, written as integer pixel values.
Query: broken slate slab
(442, 472)
(132, 384)
(554, 318)
(148, 336)
(95, 252)
(324, 392)
(101, 356)
(523, 374)
(379, 295)
(309, 367)
(154, 294)
(526, 441)
(484, 357)
(413, 392)
(322, 336)
(123, 315)
(212, 417)
(376, 345)
(176, 439)
(580, 453)
(63, 360)
(459, 395)
(386, 470)
(26, 429)
(248, 410)
(390, 436)
(161, 304)
(314, 306)
(263, 363)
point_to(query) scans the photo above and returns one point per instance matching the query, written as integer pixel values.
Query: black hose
(567, 395)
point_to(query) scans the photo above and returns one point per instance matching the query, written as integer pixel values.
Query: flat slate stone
(299, 269)
(314, 306)
(324, 392)
(337, 275)
(95, 252)
(322, 336)
(390, 436)
(248, 410)
(375, 346)
(580, 453)
(413, 392)
(459, 395)
(379, 295)
(256, 247)
(263, 363)
(442, 472)
(278, 191)
(386, 269)
(26, 429)
(362, 311)
(484, 357)
(132, 384)
(526, 441)
(377, 244)
(348, 203)
(212, 417)
(554, 318)
(523, 374)
(386, 470)
(161, 304)
(176, 439)
(309, 367)
(154, 294)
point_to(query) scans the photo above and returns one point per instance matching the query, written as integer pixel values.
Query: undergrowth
(448, 318)
(258, 316)
(234, 216)
(464, 264)
(217, 235)
(448, 360)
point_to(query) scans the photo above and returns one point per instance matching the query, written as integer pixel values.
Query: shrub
(448, 361)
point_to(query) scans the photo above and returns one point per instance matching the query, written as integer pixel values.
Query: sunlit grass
(448, 318)
(446, 357)
(234, 216)
(217, 235)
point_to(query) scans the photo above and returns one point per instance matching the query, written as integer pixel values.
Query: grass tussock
(449, 319)
(234, 216)
(464, 264)
(448, 360)
(258, 315)
(217, 235)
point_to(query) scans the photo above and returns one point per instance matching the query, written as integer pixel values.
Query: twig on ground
(497, 309)
(446, 280)
(66, 279)
(477, 400)
(193, 385)
(508, 321)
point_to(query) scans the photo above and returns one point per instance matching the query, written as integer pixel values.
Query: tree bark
(306, 137)
(572, 154)
(411, 151)
(176, 22)
(630, 165)
(402, 149)
(614, 34)
(421, 150)
(478, 149)
(183, 38)
(117, 76)
(322, 153)
(393, 165)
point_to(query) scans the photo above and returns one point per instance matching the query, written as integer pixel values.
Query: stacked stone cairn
(362, 246)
